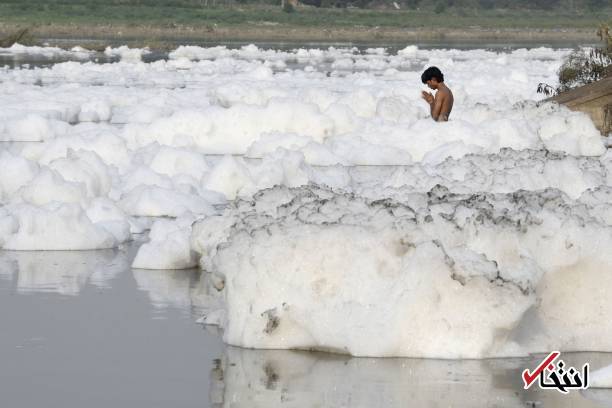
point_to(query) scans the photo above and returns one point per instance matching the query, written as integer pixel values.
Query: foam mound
(436, 275)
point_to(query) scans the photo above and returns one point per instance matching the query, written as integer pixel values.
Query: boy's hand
(429, 98)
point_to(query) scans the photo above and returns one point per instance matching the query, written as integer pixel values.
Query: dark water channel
(39, 60)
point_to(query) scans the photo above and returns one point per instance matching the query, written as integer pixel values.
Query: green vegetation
(288, 7)
(196, 13)
(569, 5)
(581, 68)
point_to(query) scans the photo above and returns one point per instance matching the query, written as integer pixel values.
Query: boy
(440, 105)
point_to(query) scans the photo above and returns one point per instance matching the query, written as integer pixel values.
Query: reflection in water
(167, 287)
(68, 272)
(252, 378)
(63, 272)
(603, 397)
(95, 348)
(182, 289)
(270, 378)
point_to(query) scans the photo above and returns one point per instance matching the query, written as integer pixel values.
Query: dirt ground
(156, 36)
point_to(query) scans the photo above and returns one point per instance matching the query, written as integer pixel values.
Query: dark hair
(432, 72)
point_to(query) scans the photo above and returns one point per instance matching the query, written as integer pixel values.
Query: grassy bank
(262, 22)
(42, 13)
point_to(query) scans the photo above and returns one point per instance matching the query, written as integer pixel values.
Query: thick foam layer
(492, 227)
(436, 275)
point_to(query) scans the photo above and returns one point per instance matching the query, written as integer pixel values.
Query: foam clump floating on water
(105, 213)
(126, 53)
(236, 178)
(47, 52)
(505, 172)
(152, 201)
(32, 128)
(436, 275)
(15, 172)
(169, 246)
(53, 226)
(48, 186)
(232, 130)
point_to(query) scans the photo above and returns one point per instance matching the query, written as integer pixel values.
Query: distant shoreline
(156, 36)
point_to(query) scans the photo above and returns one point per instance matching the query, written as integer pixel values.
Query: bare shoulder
(446, 92)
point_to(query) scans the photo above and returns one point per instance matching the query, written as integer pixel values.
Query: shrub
(440, 7)
(288, 7)
(584, 66)
(487, 4)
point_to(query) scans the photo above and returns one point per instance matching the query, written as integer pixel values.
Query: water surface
(34, 60)
(84, 329)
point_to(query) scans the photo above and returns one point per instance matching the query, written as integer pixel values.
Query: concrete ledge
(594, 99)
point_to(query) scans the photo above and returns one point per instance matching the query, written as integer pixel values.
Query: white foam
(152, 201)
(55, 226)
(126, 53)
(169, 246)
(475, 227)
(15, 172)
(47, 52)
(305, 268)
(31, 128)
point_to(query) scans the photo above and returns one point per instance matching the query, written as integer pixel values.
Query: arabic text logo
(556, 375)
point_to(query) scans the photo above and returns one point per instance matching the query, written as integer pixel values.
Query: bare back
(444, 101)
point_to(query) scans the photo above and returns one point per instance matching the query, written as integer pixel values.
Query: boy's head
(432, 77)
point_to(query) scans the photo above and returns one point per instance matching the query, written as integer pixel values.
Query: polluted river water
(83, 328)
(296, 199)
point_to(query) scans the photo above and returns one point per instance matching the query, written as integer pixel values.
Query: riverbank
(150, 26)
(166, 37)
